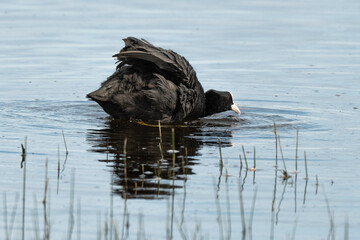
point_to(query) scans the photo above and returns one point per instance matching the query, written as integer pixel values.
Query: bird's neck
(210, 107)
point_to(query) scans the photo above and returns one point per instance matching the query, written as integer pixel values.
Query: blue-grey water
(296, 63)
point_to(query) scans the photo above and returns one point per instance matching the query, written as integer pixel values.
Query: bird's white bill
(235, 109)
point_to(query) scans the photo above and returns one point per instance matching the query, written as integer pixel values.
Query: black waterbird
(151, 84)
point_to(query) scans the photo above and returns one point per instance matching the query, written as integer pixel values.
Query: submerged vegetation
(159, 180)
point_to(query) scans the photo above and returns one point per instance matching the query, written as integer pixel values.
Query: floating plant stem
(5, 216)
(172, 208)
(331, 218)
(247, 167)
(161, 153)
(107, 150)
(228, 211)
(242, 213)
(241, 165)
(36, 219)
(160, 143)
(252, 213)
(116, 234)
(281, 199)
(48, 207)
(272, 221)
(64, 165)
(173, 149)
(221, 166)
(221, 160)
(282, 155)
(124, 216)
(276, 146)
(24, 187)
(306, 183)
(46, 181)
(143, 170)
(296, 151)
(67, 152)
(254, 158)
(187, 161)
(346, 228)
(183, 165)
(168, 219)
(294, 230)
(125, 167)
(98, 232)
(23, 154)
(181, 227)
(58, 170)
(141, 229)
(78, 219)
(244, 178)
(46, 219)
(306, 171)
(71, 206)
(111, 203)
(173, 184)
(13, 214)
(295, 193)
(254, 169)
(160, 132)
(158, 170)
(219, 215)
(8, 227)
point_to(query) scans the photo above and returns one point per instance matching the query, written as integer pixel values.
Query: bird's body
(152, 83)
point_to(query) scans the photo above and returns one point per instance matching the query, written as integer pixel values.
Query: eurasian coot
(151, 83)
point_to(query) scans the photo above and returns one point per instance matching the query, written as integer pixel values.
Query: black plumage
(151, 83)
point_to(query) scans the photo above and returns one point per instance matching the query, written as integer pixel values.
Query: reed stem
(5, 217)
(254, 158)
(221, 160)
(276, 146)
(252, 213)
(78, 219)
(241, 165)
(246, 164)
(346, 228)
(306, 170)
(58, 170)
(297, 147)
(187, 161)
(219, 215)
(331, 218)
(24, 149)
(242, 213)
(125, 167)
(173, 149)
(67, 152)
(282, 155)
(71, 206)
(160, 144)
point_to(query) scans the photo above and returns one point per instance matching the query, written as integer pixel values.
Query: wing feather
(166, 60)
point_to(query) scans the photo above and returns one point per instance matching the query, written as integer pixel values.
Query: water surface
(293, 63)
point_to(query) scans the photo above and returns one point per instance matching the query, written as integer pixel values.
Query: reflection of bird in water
(152, 83)
(148, 176)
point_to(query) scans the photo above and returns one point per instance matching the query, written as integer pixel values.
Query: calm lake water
(296, 63)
